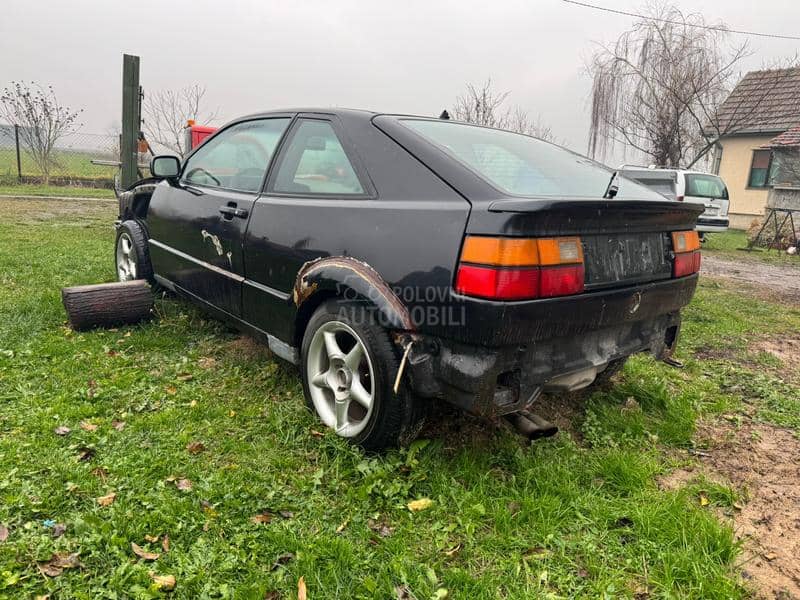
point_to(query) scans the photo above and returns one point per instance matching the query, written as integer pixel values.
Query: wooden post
(107, 304)
(130, 120)
(19, 162)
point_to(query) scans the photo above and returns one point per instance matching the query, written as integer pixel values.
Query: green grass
(729, 244)
(68, 163)
(570, 517)
(30, 189)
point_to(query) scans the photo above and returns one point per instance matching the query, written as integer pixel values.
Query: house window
(759, 169)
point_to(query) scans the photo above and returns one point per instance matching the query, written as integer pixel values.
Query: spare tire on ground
(107, 304)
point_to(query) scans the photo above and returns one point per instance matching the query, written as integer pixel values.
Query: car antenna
(612, 188)
(445, 115)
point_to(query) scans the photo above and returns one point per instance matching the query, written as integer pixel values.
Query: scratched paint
(214, 240)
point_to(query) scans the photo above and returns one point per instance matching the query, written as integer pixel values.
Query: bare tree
(42, 121)
(166, 112)
(658, 88)
(484, 106)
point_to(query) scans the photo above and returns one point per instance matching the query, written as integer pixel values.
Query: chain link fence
(71, 159)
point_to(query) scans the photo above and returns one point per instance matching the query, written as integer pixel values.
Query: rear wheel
(348, 368)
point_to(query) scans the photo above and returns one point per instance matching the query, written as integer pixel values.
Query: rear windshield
(522, 165)
(666, 187)
(705, 186)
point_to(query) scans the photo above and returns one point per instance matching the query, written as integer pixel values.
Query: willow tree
(658, 88)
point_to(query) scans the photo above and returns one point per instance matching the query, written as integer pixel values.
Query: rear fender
(351, 279)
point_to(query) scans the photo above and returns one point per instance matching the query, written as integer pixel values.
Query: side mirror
(165, 166)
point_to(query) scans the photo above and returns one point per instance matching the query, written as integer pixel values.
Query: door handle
(231, 211)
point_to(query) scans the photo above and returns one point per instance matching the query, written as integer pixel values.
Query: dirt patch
(246, 347)
(785, 348)
(783, 281)
(764, 462)
(27, 210)
(714, 353)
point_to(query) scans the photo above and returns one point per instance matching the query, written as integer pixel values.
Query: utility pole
(130, 120)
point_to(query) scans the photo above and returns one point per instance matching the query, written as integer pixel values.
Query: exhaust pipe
(531, 425)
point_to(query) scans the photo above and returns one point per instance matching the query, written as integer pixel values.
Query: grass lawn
(68, 163)
(182, 428)
(728, 245)
(29, 189)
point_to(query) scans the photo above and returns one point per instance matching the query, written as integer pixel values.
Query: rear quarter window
(521, 165)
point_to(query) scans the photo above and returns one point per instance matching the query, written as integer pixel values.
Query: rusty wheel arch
(348, 278)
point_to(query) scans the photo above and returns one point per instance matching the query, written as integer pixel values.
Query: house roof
(788, 139)
(762, 102)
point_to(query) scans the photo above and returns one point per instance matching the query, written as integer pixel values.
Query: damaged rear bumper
(497, 380)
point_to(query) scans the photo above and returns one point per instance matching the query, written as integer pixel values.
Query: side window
(237, 158)
(315, 163)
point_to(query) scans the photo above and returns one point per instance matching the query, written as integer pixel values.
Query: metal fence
(71, 158)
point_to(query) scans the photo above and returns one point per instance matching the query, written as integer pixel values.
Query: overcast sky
(406, 56)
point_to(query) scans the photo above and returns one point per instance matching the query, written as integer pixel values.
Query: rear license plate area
(615, 260)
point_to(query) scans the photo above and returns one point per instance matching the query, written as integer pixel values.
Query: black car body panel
(249, 257)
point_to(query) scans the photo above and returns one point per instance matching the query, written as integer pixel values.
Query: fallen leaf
(341, 527)
(382, 529)
(87, 426)
(453, 551)
(286, 514)
(184, 377)
(85, 453)
(3, 533)
(112, 353)
(232, 413)
(316, 433)
(107, 500)
(301, 589)
(195, 447)
(421, 504)
(164, 582)
(151, 538)
(118, 425)
(770, 556)
(184, 485)
(101, 473)
(261, 518)
(58, 562)
(282, 560)
(171, 390)
(703, 499)
(207, 362)
(165, 543)
(142, 553)
(59, 529)
(62, 430)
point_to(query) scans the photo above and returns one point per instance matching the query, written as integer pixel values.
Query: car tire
(351, 391)
(131, 254)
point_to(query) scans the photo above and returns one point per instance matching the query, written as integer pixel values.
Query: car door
(197, 224)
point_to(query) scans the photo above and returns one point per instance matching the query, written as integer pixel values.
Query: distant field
(69, 163)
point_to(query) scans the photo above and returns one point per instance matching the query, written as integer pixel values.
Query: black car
(400, 260)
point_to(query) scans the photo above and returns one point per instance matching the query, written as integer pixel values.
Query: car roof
(638, 169)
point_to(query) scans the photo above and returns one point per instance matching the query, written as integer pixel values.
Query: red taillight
(520, 268)
(499, 284)
(560, 281)
(686, 248)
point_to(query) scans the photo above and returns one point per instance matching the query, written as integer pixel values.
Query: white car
(687, 186)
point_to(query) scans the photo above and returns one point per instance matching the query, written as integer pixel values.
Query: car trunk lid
(624, 241)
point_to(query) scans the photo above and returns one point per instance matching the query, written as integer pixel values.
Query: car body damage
(351, 279)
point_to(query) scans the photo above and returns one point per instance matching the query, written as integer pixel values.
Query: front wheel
(348, 369)
(132, 259)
